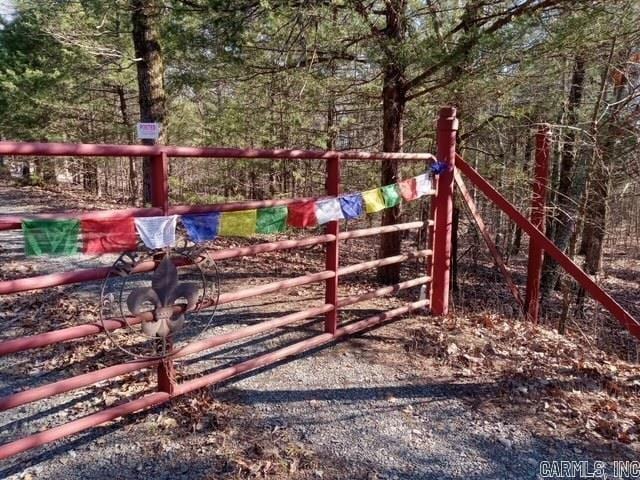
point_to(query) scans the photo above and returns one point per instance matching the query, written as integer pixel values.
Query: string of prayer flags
(157, 232)
(62, 236)
(352, 205)
(424, 184)
(408, 189)
(272, 220)
(328, 211)
(391, 195)
(373, 200)
(201, 226)
(240, 223)
(109, 236)
(303, 214)
(51, 237)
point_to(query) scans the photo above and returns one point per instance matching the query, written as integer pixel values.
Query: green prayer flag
(52, 237)
(271, 220)
(391, 195)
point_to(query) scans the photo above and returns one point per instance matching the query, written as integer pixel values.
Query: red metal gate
(438, 235)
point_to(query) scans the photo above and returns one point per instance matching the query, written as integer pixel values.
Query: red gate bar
(271, 287)
(564, 261)
(358, 267)
(244, 332)
(294, 349)
(14, 222)
(157, 398)
(79, 381)
(93, 274)
(48, 280)
(367, 232)
(56, 336)
(71, 333)
(90, 378)
(39, 282)
(538, 202)
(236, 206)
(395, 288)
(84, 423)
(106, 150)
(446, 143)
(228, 253)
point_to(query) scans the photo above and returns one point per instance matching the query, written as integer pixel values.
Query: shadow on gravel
(33, 458)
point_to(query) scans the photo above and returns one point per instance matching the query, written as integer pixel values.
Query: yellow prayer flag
(373, 200)
(238, 224)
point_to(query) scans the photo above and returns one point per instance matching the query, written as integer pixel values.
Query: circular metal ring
(123, 271)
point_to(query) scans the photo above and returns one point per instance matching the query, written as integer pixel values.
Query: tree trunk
(90, 175)
(563, 222)
(46, 169)
(528, 148)
(595, 222)
(393, 105)
(150, 69)
(126, 121)
(596, 218)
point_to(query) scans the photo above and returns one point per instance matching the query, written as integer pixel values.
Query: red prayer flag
(105, 236)
(408, 189)
(302, 214)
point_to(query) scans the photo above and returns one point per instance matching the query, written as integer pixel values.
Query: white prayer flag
(157, 232)
(328, 210)
(424, 184)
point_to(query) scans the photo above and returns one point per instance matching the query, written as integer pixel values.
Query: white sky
(6, 8)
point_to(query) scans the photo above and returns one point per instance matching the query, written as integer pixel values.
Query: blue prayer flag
(201, 226)
(352, 205)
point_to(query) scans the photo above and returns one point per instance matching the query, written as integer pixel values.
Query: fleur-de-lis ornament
(163, 293)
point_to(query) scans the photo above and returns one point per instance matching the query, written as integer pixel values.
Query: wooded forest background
(339, 74)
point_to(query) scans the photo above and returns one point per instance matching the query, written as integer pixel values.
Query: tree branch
(525, 8)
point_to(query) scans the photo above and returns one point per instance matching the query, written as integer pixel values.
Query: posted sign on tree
(148, 131)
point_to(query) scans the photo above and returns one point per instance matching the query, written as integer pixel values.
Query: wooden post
(331, 259)
(446, 153)
(538, 203)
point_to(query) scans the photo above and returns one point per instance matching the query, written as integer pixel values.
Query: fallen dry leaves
(244, 449)
(557, 384)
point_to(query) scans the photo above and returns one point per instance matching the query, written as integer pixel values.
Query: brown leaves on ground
(44, 310)
(243, 449)
(558, 385)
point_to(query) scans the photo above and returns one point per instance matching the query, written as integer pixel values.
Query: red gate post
(331, 284)
(538, 202)
(441, 264)
(160, 199)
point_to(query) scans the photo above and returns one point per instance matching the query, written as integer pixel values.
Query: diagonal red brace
(565, 262)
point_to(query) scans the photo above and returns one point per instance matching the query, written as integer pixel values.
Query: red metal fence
(436, 252)
(439, 234)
